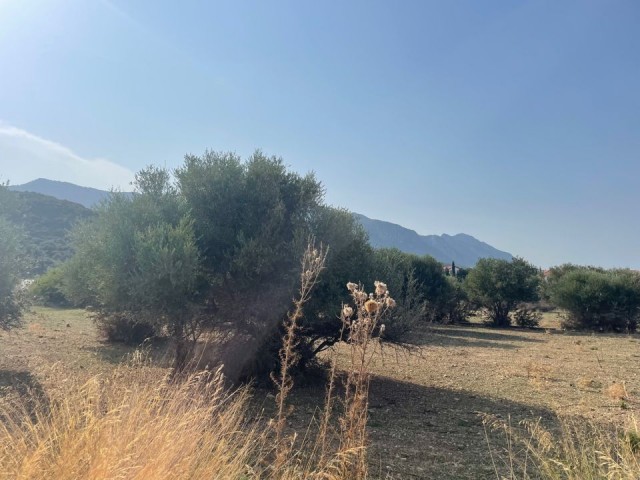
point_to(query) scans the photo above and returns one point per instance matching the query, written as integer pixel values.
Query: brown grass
(579, 451)
(131, 423)
(422, 411)
(617, 391)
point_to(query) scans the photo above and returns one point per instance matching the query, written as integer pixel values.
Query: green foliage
(500, 286)
(137, 261)
(349, 257)
(597, 299)
(421, 289)
(11, 268)
(46, 223)
(526, 318)
(455, 304)
(48, 289)
(12, 265)
(252, 220)
(251, 217)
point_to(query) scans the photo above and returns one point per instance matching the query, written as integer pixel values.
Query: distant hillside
(46, 222)
(85, 196)
(463, 249)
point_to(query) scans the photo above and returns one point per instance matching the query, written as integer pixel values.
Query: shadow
(158, 351)
(485, 333)
(472, 336)
(419, 432)
(25, 386)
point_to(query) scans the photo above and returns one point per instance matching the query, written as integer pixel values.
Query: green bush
(500, 286)
(122, 328)
(526, 318)
(599, 300)
(48, 289)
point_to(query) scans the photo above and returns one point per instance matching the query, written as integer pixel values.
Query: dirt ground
(425, 403)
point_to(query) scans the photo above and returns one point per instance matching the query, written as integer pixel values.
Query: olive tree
(500, 286)
(138, 265)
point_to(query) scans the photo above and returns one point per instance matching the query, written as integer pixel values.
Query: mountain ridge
(85, 196)
(461, 248)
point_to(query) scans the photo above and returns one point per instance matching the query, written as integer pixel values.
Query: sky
(515, 122)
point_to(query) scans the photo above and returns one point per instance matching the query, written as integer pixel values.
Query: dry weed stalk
(364, 328)
(313, 262)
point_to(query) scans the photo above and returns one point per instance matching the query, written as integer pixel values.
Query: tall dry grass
(134, 423)
(580, 450)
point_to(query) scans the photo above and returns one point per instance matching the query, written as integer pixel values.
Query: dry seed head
(389, 302)
(361, 296)
(347, 311)
(352, 287)
(382, 327)
(381, 288)
(371, 306)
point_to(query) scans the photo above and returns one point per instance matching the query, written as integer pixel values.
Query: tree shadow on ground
(473, 336)
(419, 432)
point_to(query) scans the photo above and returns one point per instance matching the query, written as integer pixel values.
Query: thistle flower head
(347, 311)
(389, 302)
(371, 306)
(361, 296)
(381, 288)
(352, 287)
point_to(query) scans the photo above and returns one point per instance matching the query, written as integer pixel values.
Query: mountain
(463, 249)
(88, 197)
(46, 222)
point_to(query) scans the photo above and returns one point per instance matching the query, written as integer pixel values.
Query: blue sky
(515, 122)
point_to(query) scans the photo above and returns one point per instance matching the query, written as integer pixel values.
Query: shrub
(123, 329)
(48, 289)
(499, 286)
(599, 300)
(526, 318)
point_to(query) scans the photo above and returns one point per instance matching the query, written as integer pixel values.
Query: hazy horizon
(515, 123)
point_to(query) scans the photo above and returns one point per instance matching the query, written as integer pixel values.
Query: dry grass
(617, 391)
(422, 410)
(131, 423)
(579, 451)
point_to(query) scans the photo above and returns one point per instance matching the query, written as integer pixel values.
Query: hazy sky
(515, 122)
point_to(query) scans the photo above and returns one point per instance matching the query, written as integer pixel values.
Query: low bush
(48, 289)
(124, 329)
(526, 318)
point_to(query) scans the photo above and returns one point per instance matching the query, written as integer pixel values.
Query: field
(425, 402)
